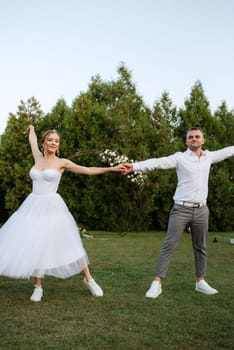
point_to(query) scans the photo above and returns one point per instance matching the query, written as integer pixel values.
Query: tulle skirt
(41, 238)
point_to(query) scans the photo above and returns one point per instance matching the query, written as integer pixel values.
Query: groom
(192, 167)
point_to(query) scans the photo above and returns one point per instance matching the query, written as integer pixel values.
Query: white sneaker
(94, 288)
(154, 291)
(203, 287)
(37, 294)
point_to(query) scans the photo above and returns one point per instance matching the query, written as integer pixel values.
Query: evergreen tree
(197, 113)
(15, 154)
(221, 193)
(163, 142)
(55, 119)
(109, 116)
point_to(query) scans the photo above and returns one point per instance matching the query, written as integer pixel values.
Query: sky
(50, 49)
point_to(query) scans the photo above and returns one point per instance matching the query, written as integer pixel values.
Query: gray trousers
(180, 216)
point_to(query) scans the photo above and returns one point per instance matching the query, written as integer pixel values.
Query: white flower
(114, 158)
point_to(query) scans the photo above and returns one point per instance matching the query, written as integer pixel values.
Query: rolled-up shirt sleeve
(156, 163)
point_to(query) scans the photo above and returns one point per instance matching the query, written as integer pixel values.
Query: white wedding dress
(41, 237)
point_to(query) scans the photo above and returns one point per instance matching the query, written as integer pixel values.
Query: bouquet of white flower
(114, 158)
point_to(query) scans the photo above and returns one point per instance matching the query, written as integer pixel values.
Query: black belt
(190, 204)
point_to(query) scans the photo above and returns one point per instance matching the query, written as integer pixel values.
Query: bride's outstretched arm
(32, 137)
(76, 168)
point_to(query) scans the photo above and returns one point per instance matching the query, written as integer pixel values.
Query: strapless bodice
(45, 181)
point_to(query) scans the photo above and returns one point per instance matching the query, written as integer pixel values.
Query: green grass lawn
(70, 318)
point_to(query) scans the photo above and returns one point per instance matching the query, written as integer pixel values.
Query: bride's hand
(29, 128)
(119, 167)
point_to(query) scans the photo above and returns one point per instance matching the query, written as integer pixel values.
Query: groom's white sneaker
(154, 291)
(203, 287)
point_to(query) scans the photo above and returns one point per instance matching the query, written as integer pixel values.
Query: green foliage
(221, 198)
(197, 113)
(15, 155)
(111, 115)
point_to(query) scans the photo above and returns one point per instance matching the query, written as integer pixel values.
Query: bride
(41, 237)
